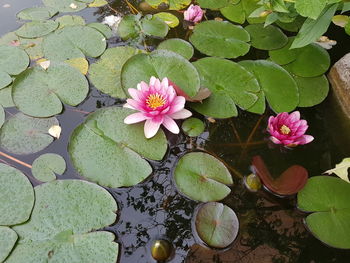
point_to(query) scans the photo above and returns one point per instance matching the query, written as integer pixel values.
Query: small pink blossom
(157, 104)
(289, 129)
(194, 13)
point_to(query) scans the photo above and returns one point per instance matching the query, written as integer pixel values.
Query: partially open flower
(288, 129)
(194, 13)
(157, 104)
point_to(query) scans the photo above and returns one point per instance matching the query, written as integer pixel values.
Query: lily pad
(47, 165)
(36, 29)
(161, 64)
(193, 127)
(13, 60)
(227, 80)
(154, 26)
(8, 239)
(74, 42)
(37, 13)
(102, 28)
(5, 79)
(172, 4)
(284, 55)
(178, 46)
(216, 224)
(2, 116)
(105, 73)
(16, 195)
(66, 5)
(312, 91)
(234, 12)
(220, 39)
(266, 37)
(69, 20)
(213, 4)
(63, 217)
(107, 151)
(281, 98)
(129, 27)
(328, 200)
(98, 3)
(202, 177)
(169, 19)
(6, 97)
(40, 93)
(22, 134)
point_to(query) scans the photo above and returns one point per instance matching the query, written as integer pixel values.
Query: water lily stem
(236, 132)
(15, 160)
(132, 8)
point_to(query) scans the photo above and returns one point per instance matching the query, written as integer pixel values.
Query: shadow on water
(272, 229)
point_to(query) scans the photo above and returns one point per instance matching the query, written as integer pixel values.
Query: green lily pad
(13, 60)
(108, 152)
(216, 224)
(5, 79)
(129, 27)
(102, 28)
(161, 64)
(59, 230)
(312, 91)
(69, 20)
(169, 19)
(202, 177)
(105, 73)
(178, 46)
(284, 55)
(40, 93)
(281, 98)
(66, 5)
(74, 42)
(22, 134)
(154, 26)
(6, 97)
(234, 12)
(16, 195)
(266, 37)
(8, 239)
(37, 13)
(172, 4)
(213, 4)
(2, 116)
(47, 165)
(328, 200)
(36, 29)
(193, 127)
(98, 3)
(220, 39)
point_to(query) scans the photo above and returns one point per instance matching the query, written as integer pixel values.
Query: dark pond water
(272, 229)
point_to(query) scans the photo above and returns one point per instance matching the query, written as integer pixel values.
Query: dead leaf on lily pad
(341, 169)
(55, 131)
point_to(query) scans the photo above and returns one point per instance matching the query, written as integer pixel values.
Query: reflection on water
(272, 229)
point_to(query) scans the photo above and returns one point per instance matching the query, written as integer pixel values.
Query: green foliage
(193, 127)
(45, 166)
(8, 239)
(37, 13)
(178, 46)
(171, 4)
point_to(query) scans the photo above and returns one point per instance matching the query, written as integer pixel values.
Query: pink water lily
(158, 104)
(289, 129)
(194, 13)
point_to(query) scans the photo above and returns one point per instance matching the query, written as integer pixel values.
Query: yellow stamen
(285, 129)
(155, 100)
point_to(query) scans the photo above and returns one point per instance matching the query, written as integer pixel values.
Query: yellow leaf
(44, 63)
(55, 131)
(80, 64)
(341, 169)
(98, 3)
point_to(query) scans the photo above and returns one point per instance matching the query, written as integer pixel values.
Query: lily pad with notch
(36, 29)
(193, 127)
(67, 5)
(46, 166)
(37, 13)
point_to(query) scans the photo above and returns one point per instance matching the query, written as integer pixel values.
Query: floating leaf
(66, 5)
(310, 8)
(6, 97)
(193, 127)
(105, 73)
(213, 4)
(102, 28)
(161, 64)
(129, 27)
(234, 12)
(289, 182)
(202, 177)
(312, 91)
(45, 64)
(36, 29)
(216, 224)
(328, 198)
(47, 165)
(74, 42)
(80, 64)
(13, 60)
(22, 134)
(154, 26)
(55, 131)
(2, 116)
(5, 79)
(266, 37)
(220, 39)
(341, 169)
(178, 46)
(40, 93)
(107, 151)
(284, 55)
(8, 239)
(172, 4)
(281, 98)
(98, 3)
(16, 195)
(69, 20)
(169, 19)
(37, 13)
(64, 214)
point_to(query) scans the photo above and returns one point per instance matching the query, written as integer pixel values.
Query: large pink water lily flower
(288, 129)
(194, 13)
(157, 104)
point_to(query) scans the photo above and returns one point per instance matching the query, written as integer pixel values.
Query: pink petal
(143, 86)
(182, 114)
(304, 139)
(294, 116)
(151, 127)
(136, 94)
(275, 140)
(134, 104)
(152, 81)
(171, 125)
(128, 106)
(135, 118)
(165, 82)
(177, 104)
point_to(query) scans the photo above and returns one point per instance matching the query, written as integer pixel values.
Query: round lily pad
(328, 200)
(129, 27)
(37, 13)
(172, 4)
(47, 165)
(220, 39)
(266, 37)
(22, 134)
(16, 195)
(161, 64)
(36, 29)
(109, 152)
(234, 12)
(216, 224)
(74, 42)
(193, 127)
(169, 19)
(278, 86)
(64, 215)
(66, 5)
(154, 26)
(40, 93)
(213, 4)
(102, 28)
(13, 60)
(2, 116)
(5, 79)
(312, 91)
(6, 97)
(105, 73)
(202, 177)
(178, 46)
(284, 55)
(8, 239)
(69, 20)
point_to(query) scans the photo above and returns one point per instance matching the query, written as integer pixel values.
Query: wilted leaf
(341, 169)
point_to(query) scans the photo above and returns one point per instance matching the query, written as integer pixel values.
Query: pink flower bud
(194, 13)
